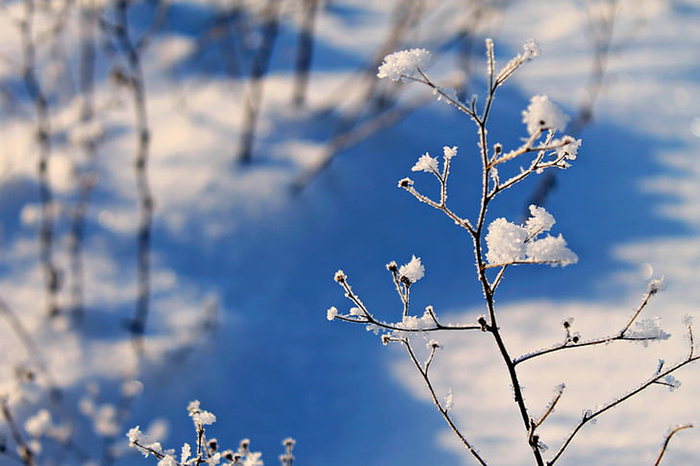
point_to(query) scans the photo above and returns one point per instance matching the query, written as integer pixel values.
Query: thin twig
(667, 440)
(621, 335)
(254, 94)
(443, 411)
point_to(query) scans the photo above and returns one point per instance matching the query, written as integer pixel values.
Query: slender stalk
(488, 289)
(668, 440)
(443, 411)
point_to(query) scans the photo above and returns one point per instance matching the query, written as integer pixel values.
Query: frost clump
(413, 271)
(426, 163)
(417, 323)
(542, 114)
(646, 330)
(509, 243)
(403, 64)
(199, 416)
(429, 164)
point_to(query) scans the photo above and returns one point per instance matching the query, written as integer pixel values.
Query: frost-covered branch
(404, 277)
(645, 331)
(500, 244)
(661, 377)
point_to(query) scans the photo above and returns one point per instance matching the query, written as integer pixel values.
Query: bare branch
(667, 440)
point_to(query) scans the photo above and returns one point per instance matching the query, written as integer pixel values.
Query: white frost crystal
(540, 221)
(332, 313)
(135, 435)
(199, 416)
(449, 152)
(403, 64)
(543, 114)
(426, 163)
(413, 271)
(509, 243)
(506, 242)
(552, 250)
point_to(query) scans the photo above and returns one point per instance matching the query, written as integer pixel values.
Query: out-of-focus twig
(135, 81)
(304, 51)
(26, 455)
(43, 136)
(254, 92)
(88, 176)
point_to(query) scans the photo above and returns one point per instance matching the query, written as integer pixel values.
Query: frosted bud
(449, 152)
(413, 271)
(530, 49)
(213, 444)
(656, 285)
(134, 435)
(340, 276)
(332, 313)
(405, 183)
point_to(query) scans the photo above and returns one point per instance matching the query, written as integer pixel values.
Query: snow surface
(233, 251)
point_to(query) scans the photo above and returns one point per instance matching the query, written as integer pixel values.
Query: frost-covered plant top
(206, 451)
(404, 64)
(500, 244)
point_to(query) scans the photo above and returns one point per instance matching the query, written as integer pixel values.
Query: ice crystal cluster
(542, 114)
(413, 271)
(403, 64)
(509, 243)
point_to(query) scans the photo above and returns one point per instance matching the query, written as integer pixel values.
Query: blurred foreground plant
(500, 245)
